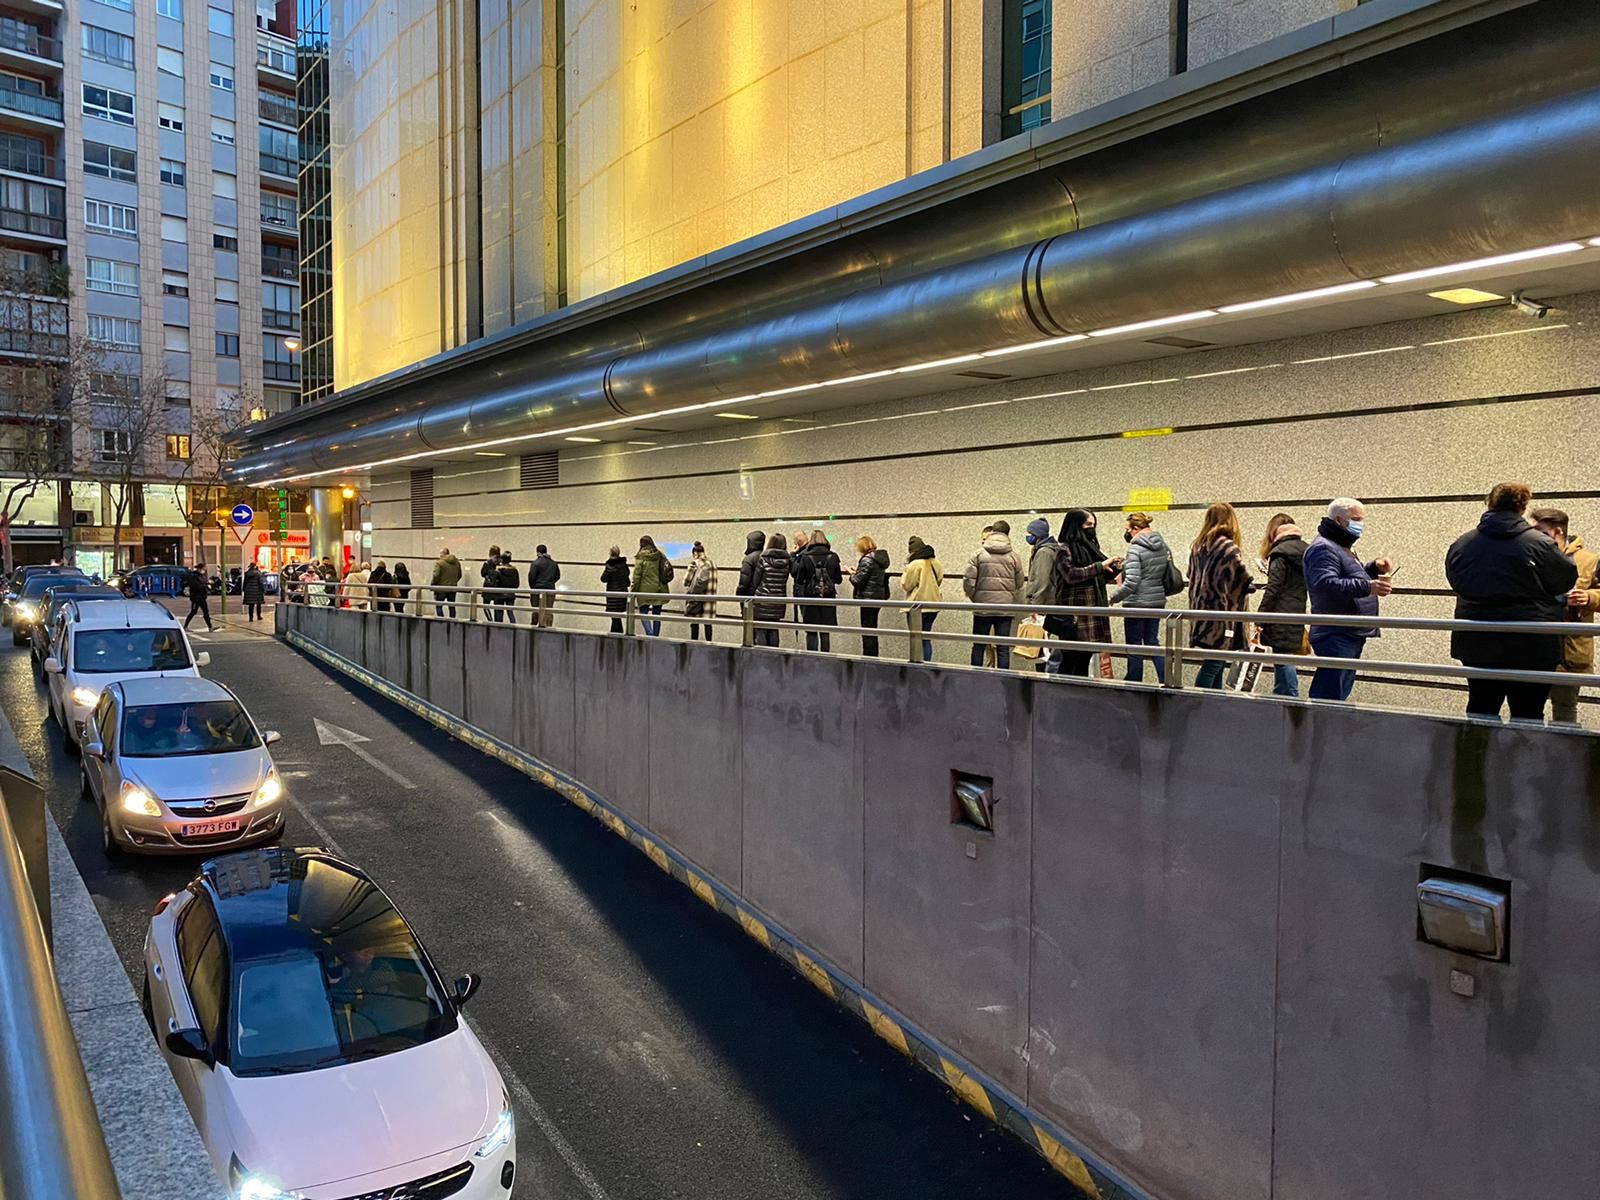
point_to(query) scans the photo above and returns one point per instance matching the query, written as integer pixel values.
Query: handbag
(1031, 628)
(1243, 676)
(1065, 628)
(1172, 581)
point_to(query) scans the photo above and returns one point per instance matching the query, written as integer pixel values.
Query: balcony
(281, 372)
(275, 58)
(27, 46)
(30, 109)
(281, 219)
(25, 160)
(32, 224)
(276, 164)
(40, 345)
(278, 109)
(280, 266)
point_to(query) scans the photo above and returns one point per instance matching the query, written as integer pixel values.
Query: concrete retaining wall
(1191, 941)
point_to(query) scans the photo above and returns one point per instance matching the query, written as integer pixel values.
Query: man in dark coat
(543, 575)
(1508, 570)
(1340, 584)
(507, 579)
(254, 591)
(196, 585)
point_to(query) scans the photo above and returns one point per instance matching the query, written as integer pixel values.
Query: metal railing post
(747, 610)
(472, 605)
(914, 634)
(1173, 628)
(630, 615)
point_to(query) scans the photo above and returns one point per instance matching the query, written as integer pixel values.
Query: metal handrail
(477, 604)
(51, 1143)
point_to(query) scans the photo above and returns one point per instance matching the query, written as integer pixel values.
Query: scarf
(1082, 545)
(1336, 533)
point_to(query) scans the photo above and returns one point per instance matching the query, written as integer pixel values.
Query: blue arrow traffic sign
(243, 514)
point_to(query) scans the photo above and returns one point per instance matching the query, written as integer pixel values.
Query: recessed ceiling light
(1180, 319)
(587, 440)
(936, 363)
(1476, 263)
(641, 443)
(737, 416)
(1466, 295)
(489, 453)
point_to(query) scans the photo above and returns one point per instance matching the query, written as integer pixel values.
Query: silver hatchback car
(176, 765)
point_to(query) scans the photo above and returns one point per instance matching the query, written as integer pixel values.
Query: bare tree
(36, 401)
(126, 427)
(213, 431)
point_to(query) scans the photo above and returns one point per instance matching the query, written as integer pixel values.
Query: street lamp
(348, 492)
(258, 413)
(291, 344)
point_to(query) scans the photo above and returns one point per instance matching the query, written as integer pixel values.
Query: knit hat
(1038, 530)
(915, 544)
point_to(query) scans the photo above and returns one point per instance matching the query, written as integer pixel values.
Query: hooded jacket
(1144, 572)
(771, 578)
(1041, 586)
(614, 578)
(1338, 582)
(446, 571)
(647, 571)
(923, 575)
(754, 541)
(870, 579)
(1507, 570)
(1286, 590)
(994, 574)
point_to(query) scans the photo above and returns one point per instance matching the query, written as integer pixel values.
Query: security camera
(1529, 308)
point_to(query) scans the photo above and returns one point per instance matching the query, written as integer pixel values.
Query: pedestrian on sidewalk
(994, 575)
(870, 581)
(446, 574)
(652, 581)
(543, 575)
(199, 595)
(254, 592)
(379, 581)
(402, 586)
(701, 584)
(614, 578)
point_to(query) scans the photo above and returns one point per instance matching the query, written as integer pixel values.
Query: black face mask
(1127, 535)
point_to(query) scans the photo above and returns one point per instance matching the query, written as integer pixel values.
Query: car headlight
(87, 697)
(500, 1136)
(254, 1187)
(24, 612)
(270, 790)
(136, 800)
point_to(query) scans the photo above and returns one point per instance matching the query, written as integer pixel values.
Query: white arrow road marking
(336, 735)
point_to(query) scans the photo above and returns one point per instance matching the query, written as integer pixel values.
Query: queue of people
(1516, 565)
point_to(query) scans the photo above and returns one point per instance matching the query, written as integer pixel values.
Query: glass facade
(1025, 65)
(316, 226)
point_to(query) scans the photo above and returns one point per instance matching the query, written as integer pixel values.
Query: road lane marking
(541, 1118)
(336, 735)
(321, 830)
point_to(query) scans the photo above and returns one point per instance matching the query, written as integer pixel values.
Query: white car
(177, 766)
(107, 641)
(320, 1054)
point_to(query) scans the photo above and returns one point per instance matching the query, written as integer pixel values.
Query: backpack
(820, 584)
(666, 569)
(1173, 582)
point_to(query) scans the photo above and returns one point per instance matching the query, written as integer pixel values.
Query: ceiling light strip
(1476, 264)
(1337, 289)
(1159, 322)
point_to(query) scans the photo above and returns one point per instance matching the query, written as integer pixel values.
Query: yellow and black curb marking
(972, 1086)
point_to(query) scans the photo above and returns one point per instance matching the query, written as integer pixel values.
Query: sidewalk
(232, 622)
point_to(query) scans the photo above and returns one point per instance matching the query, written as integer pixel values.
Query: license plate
(208, 828)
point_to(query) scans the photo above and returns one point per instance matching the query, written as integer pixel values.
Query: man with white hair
(1340, 584)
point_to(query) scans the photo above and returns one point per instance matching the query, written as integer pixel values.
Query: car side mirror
(467, 987)
(52, 666)
(190, 1043)
(271, 737)
(94, 749)
(203, 659)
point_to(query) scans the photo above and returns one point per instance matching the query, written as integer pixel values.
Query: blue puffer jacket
(1339, 583)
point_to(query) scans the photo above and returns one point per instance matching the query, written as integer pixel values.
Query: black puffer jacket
(771, 579)
(1506, 570)
(255, 591)
(615, 578)
(1286, 593)
(870, 580)
(543, 574)
(753, 542)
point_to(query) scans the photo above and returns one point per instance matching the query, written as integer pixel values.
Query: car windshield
(172, 730)
(357, 987)
(102, 651)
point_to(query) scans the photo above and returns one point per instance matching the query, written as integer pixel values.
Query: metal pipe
(51, 1144)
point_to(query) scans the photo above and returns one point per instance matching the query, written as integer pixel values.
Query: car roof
(168, 689)
(82, 589)
(129, 614)
(277, 900)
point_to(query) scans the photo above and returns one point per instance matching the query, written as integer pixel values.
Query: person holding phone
(1340, 584)
(1082, 572)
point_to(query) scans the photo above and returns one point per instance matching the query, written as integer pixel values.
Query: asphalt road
(653, 1050)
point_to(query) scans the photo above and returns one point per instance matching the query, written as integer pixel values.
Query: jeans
(501, 610)
(646, 611)
(869, 643)
(1285, 680)
(767, 637)
(1527, 700)
(443, 600)
(1211, 673)
(1329, 684)
(928, 618)
(1143, 631)
(998, 625)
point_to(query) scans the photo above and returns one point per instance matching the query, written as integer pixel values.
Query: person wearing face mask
(1341, 585)
(1144, 585)
(1040, 589)
(1082, 570)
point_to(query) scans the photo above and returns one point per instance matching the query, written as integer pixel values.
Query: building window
(225, 241)
(175, 229)
(1025, 65)
(172, 172)
(121, 5)
(101, 216)
(227, 345)
(171, 117)
(108, 275)
(108, 104)
(174, 283)
(222, 130)
(222, 77)
(279, 362)
(176, 338)
(228, 290)
(170, 8)
(278, 209)
(113, 385)
(110, 162)
(219, 22)
(113, 445)
(225, 184)
(178, 445)
(108, 46)
(280, 152)
(119, 332)
(169, 62)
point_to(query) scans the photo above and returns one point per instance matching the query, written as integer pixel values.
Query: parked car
(320, 1053)
(29, 604)
(177, 765)
(41, 630)
(107, 642)
(19, 579)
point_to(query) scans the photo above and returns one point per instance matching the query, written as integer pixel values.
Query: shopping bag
(1243, 676)
(1031, 627)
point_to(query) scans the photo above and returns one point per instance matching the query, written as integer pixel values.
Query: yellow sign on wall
(1148, 500)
